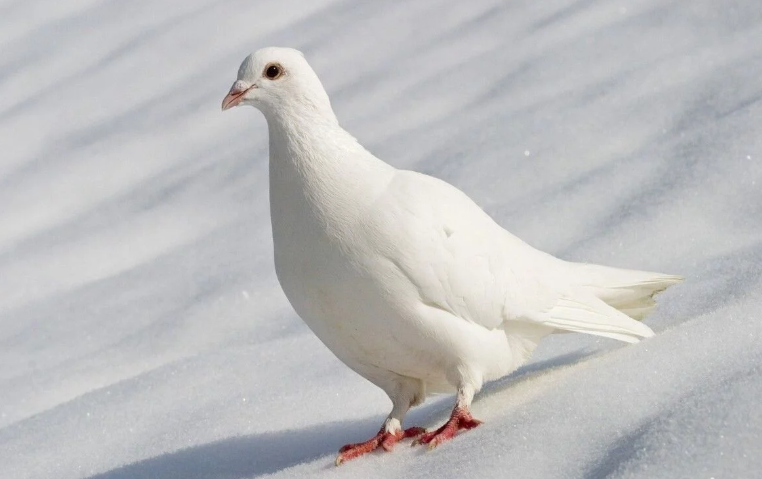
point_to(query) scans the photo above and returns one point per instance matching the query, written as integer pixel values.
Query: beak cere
(236, 94)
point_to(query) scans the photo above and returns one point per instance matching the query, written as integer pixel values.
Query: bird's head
(274, 79)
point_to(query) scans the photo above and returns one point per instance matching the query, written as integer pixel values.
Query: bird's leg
(460, 418)
(389, 435)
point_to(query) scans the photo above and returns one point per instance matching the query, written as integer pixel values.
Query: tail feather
(631, 292)
(588, 314)
(607, 302)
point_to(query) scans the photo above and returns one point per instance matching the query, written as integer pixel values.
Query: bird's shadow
(531, 370)
(247, 456)
(268, 452)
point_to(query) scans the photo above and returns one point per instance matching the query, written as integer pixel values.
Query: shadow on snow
(268, 452)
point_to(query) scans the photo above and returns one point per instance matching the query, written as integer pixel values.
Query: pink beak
(236, 94)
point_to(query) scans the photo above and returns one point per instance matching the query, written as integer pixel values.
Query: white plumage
(401, 275)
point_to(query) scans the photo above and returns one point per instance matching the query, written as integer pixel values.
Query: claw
(459, 419)
(385, 440)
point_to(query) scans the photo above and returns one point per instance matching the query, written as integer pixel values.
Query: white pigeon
(402, 276)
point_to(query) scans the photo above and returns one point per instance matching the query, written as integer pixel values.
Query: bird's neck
(317, 167)
(300, 137)
(311, 146)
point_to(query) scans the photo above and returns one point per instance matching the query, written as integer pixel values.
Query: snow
(142, 330)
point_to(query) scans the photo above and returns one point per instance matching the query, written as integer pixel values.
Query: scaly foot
(459, 419)
(384, 439)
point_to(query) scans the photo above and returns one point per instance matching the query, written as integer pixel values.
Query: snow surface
(142, 330)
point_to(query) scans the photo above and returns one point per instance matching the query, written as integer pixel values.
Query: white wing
(461, 261)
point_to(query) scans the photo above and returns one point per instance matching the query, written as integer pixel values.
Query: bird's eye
(273, 71)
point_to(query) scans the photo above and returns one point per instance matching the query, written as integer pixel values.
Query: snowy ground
(142, 330)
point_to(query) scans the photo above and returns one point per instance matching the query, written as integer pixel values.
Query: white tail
(631, 292)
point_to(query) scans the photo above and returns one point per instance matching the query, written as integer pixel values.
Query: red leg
(384, 439)
(459, 419)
